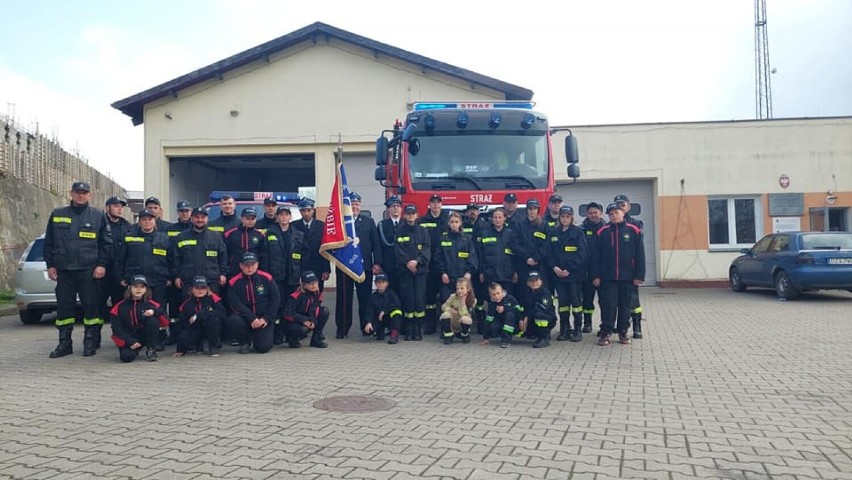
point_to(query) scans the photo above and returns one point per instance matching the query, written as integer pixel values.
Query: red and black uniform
(240, 240)
(455, 257)
(412, 243)
(589, 289)
(251, 297)
(130, 325)
(209, 317)
(568, 251)
(285, 252)
(368, 243)
(305, 306)
(618, 260)
(388, 304)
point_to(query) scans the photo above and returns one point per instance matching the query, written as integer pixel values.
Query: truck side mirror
(572, 154)
(381, 173)
(381, 151)
(573, 170)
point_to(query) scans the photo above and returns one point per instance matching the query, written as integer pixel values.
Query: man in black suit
(312, 229)
(368, 242)
(387, 240)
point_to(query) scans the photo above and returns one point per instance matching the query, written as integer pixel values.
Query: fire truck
(470, 153)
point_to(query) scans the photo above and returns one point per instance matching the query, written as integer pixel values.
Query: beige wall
(691, 161)
(298, 102)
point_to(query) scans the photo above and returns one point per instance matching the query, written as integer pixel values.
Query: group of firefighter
(256, 280)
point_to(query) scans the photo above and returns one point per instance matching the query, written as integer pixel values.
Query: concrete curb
(8, 309)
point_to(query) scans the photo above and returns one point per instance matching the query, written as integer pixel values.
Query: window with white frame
(734, 222)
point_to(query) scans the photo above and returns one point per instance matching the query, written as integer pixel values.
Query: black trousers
(569, 301)
(147, 336)
(504, 325)
(589, 292)
(615, 306)
(430, 320)
(390, 322)
(343, 310)
(285, 289)
(192, 334)
(70, 284)
(261, 338)
(412, 294)
(295, 332)
(539, 328)
(111, 292)
(635, 306)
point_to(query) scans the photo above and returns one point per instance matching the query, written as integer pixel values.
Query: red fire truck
(470, 152)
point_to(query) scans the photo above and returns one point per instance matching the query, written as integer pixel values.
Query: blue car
(795, 262)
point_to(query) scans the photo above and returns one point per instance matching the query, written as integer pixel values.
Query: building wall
(694, 162)
(299, 102)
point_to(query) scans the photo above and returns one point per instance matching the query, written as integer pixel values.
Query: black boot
(576, 334)
(317, 341)
(637, 326)
(564, 329)
(417, 334)
(465, 333)
(542, 341)
(408, 329)
(587, 323)
(65, 344)
(98, 329)
(89, 341)
(160, 343)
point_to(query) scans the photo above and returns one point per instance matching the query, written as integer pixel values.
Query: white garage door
(360, 168)
(640, 192)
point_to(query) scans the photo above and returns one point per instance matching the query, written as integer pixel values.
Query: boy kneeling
(539, 314)
(305, 313)
(384, 311)
(501, 316)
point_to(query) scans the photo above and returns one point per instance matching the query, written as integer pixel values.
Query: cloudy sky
(588, 61)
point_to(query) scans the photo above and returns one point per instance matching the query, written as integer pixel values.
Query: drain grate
(354, 403)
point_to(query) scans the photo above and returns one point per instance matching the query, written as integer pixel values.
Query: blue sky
(589, 62)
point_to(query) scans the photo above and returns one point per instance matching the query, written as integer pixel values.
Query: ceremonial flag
(339, 240)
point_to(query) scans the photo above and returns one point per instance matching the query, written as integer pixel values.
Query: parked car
(795, 262)
(34, 291)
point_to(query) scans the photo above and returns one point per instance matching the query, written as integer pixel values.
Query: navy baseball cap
(510, 197)
(269, 201)
(308, 276)
(533, 203)
(183, 205)
(566, 210)
(393, 200)
(613, 206)
(199, 282)
(471, 206)
(248, 257)
(435, 198)
(306, 203)
(354, 197)
(555, 198)
(533, 275)
(283, 208)
(138, 280)
(146, 213)
(410, 209)
(199, 211)
(381, 277)
(621, 198)
(81, 187)
(153, 200)
(116, 201)
(249, 212)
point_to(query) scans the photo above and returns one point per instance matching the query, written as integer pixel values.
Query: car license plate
(840, 261)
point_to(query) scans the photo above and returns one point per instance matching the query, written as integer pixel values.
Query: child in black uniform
(201, 315)
(539, 312)
(384, 311)
(136, 321)
(501, 316)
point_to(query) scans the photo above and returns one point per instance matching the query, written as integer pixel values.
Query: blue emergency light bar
(474, 105)
(217, 195)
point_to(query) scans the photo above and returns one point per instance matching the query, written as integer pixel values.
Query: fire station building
(271, 119)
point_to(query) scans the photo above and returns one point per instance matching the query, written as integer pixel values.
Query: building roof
(133, 106)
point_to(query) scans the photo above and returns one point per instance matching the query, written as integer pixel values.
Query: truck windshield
(481, 161)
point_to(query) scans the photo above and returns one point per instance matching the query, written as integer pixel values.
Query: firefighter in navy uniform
(270, 214)
(551, 215)
(112, 290)
(144, 251)
(532, 233)
(568, 256)
(153, 204)
(413, 253)
(510, 209)
(313, 229)
(199, 251)
(455, 257)
(184, 212)
(245, 238)
(590, 226)
(498, 246)
(77, 245)
(435, 223)
(635, 306)
(387, 236)
(368, 243)
(472, 223)
(285, 250)
(385, 311)
(618, 265)
(227, 219)
(254, 299)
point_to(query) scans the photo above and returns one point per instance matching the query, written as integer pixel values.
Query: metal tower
(763, 84)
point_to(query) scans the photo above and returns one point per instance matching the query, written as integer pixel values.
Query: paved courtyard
(724, 385)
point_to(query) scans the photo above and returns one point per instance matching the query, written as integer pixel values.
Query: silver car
(34, 292)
